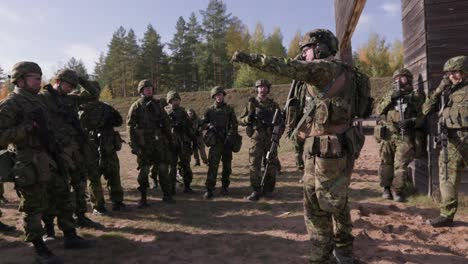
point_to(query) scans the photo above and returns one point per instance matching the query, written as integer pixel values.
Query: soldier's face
(455, 77)
(308, 54)
(263, 90)
(219, 98)
(403, 79)
(31, 82)
(190, 114)
(65, 88)
(175, 102)
(148, 91)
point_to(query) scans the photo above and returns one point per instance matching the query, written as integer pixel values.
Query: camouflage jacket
(259, 114)
(454, 113)
(222, 119)
(147, 122)
(63, 110)
(331, 110)
(17, 113)
(182, 127)
(390, 111)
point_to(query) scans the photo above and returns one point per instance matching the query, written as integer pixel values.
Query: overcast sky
(51, 32)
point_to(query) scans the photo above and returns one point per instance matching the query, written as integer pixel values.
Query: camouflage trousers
(58, 204)
(449, 179)
(257, 152)
(326, 210)
(180, 157)
(153, 160)
(219, 153)
(199, 151)
(395, 155)
(299, 152)
(110, 168)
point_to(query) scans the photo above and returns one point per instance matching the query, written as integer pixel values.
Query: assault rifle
(278, 129)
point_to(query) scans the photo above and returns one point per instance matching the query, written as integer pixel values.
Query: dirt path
(232, 230)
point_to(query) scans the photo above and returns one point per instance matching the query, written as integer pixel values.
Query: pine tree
(99, 70)
(132, 55)
(216, 20)
(114, 70)
(152, 62)
(76, 65)
(179, 59)
(294, 49)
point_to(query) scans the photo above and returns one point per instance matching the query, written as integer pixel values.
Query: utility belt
(328, 146)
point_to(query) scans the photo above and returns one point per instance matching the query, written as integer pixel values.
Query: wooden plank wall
(433, 32)
(347, 13)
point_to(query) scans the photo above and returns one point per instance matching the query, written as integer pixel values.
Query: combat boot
(100, 211)
(143, 201)
(342, 257)
(398, 197)
(224, 191)
(188, 189)
(254, 196)
(50, 232)
(440, 221)
(43, 254)
(208, 194)
(118, 206)
(6, 228)
(72, 241)
(83, 221)
(387, 193)
(168, 199)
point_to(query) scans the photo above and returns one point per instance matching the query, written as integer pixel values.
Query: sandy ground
(233, 230)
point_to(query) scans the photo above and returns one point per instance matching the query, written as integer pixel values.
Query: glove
(395, 95)
(83, 80)
(406, 124)
(136, 151)
(445, 81)
(240, 56)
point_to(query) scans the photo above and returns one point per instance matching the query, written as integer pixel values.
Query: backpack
(362, 107)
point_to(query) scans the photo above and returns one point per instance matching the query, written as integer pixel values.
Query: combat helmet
(69, 76)
(323, 41)
(144, 83)
(459, 63)
(171, 95)
(403, 72)
(216, 90)
(22, 68)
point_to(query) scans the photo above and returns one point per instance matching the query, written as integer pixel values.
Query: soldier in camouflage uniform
(25, 122)
(222, 122)
(63, 108)
(397, 136)
(149, 128)
(451, 100)
(98, 120)
(334, 147)
(198, 144)
(258, 117)
(183, 134)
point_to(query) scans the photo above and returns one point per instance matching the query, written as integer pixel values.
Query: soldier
(25, 123)
(299, 152)
(222, 123)
(149, 128)
(98, 120)
(63, 109)
(198, 144)
(183, 134)
(258, 117)
(401, 115)
(451, 100)
(335, 142)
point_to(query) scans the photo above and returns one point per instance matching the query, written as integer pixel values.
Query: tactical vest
(455, 112)
(264, 112)
(219, 117)
(409, 106)
(149, 114)
(332, 110)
